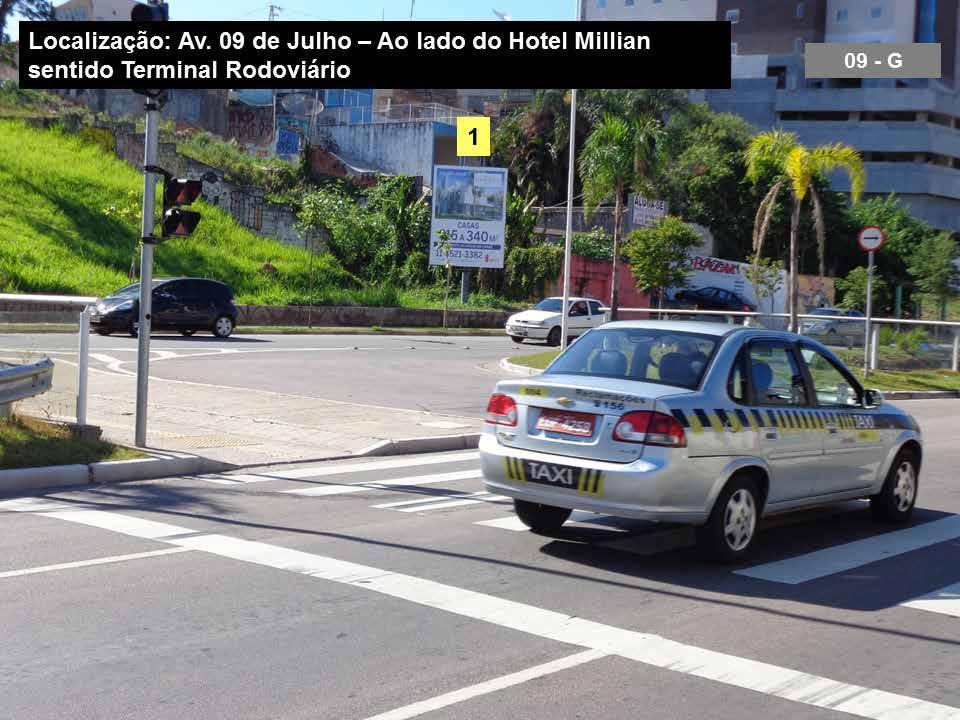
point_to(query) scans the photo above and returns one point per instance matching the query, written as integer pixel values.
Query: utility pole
(274, 13)
(150, 153)
(568, 235)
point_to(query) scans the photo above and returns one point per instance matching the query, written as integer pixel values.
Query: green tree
(933, 266)
(618, 155)
(705, 178)
(797, 167)
(660, 256)
(905, 235)
(28, 9)
(766, 276)
(853, 290)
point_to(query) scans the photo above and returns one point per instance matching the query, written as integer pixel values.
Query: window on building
(927, 21)
(780, 73)
(876, 11)
(733, 48)
(798, 45)
(733, 15)
(801, 10)
(628, 3)
(842, 15)
(601, 3)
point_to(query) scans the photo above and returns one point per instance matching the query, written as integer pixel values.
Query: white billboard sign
(470, 203)
(648, 212)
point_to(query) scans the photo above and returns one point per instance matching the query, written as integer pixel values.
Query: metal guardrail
(870, 344)
(82, 304)
(19, 382)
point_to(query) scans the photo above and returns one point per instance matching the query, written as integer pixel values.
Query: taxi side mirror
(872, 398)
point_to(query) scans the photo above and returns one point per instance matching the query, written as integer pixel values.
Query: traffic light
(178, 191)
(150, 12)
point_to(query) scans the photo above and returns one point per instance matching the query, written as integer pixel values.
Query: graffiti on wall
(250, 125)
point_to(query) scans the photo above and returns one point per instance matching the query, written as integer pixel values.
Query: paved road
(391, 589)
(439, 374)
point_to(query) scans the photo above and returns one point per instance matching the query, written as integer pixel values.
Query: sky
(306, 10)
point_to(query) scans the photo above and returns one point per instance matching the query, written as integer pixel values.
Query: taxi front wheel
(894, 503)
(540, 518)
(729, 533)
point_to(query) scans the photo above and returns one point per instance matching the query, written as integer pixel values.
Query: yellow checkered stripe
(738, 420)
(515, 470)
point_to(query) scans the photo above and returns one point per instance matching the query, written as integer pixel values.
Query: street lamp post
(568, 238)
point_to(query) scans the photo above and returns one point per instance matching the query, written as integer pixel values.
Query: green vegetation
(34, 445)
(538, 361)
(59, 235)
(659, 255)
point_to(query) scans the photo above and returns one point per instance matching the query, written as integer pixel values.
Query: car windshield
(825, 311)
(550, 305)
(132, 290)
(653, 355)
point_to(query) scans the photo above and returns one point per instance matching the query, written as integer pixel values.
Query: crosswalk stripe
(454, 503)
(449, 495)
(414, 480)
(330, 469)
(945, 601)
(840, 558)
(511, 522)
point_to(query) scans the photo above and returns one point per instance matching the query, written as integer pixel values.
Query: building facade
(907, 131)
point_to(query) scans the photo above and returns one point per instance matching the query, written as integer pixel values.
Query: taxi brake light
(501, 410)
(650, 428)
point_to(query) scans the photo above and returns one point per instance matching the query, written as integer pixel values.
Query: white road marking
(413, 480)
(494, 499)
(440, 497)
(330, 469)
(95, 561)
(501, 683)
(113, 364)
(839, 558)
(650, 649)
(945, 601)
(511, 522)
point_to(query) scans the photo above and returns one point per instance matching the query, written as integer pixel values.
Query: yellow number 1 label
(473, 136)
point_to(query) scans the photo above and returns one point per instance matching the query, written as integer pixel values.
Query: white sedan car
(543, 321)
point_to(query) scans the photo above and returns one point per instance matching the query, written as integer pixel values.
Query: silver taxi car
(696, 423)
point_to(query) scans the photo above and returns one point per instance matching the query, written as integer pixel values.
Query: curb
(921, 394)
(19, 480)
(413, 446)
(510, 367)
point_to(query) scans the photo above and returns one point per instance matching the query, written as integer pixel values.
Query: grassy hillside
(56, 238)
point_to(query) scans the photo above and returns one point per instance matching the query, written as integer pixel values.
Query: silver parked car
(831, 327)
(696, 423)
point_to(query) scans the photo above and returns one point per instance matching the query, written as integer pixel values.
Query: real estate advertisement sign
(647, 211)
(470, 203)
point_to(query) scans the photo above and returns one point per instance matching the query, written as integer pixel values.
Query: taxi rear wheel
(541, 518)
(894, 503)
(728, 534)
(516, 339)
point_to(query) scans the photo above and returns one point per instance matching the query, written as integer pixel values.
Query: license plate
(566, 423)
(519, 333)
(589, 482)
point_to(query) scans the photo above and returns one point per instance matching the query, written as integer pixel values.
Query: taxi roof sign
(871, 238)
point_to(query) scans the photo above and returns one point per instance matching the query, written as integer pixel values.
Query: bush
(528, 269)
(596, 244)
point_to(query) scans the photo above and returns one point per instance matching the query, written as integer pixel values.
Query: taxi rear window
(660, 356)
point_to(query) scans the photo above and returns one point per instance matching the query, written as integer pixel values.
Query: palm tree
(780, 153)
(618, 155)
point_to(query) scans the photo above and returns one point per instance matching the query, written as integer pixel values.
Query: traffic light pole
(150, 156)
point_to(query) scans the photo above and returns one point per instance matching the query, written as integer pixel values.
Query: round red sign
(871, 238)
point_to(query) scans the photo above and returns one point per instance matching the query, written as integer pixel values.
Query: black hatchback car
(182, 304)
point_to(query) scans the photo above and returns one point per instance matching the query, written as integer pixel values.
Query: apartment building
(908, 131)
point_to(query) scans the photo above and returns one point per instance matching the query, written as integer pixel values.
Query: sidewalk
(243, 426)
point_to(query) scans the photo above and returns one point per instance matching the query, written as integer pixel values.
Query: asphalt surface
(439, 374)
(232, 597)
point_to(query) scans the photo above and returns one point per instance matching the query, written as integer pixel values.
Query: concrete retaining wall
(322, 316)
